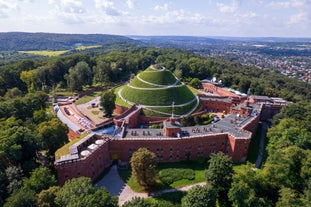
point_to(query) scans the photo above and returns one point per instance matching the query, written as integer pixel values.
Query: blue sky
(241, 18)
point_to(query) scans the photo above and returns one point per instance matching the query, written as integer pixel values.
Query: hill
(156, 90)
(52, 41)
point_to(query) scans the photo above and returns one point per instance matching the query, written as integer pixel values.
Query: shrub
(168, 176)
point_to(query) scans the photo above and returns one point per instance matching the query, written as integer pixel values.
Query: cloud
(130, 4)
(68, 6)
(174, 16)
(6, 7)
(289, 4)
(300, 18)
(164, 7)
(108, 7)
(68, 11)
(228, 8)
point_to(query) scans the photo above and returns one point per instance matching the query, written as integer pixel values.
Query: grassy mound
(158, 77)
(159, 97)
(157, 90)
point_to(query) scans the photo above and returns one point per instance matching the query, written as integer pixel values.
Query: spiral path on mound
(133, 93)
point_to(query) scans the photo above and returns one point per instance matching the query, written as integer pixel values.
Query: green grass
(81, 47)
(48, 53)
(197, 167)
(119, 101)
(95, 112)
(193, 90)
(137, 83)
(161, 77)
(88, 97)
(162, 97)
(64, 150)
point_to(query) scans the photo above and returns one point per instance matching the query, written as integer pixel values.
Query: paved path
(264, 129)
(112, 181)
(115, 185)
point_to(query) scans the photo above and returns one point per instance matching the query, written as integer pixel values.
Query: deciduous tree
(200, 196)
(107, 101)
(219, 174)
(144, 167)
(80, 192)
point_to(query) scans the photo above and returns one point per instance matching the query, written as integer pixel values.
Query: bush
(168, 176)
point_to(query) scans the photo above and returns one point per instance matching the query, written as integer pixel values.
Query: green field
(82, 47)
(48, 53)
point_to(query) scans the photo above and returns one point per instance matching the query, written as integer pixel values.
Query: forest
(30, 136)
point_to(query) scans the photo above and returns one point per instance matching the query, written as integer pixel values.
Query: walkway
(265, 127)
(115, 185)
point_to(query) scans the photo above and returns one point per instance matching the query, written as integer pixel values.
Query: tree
(40, 179)
(46, 198)
(144, 167)
(14, 176)
(107, 101)
(289, 198)
(80, 192)
(53, 135)
(178, 73)
(139, 202)
(22, 198)
(249, 189)
(195, 83)
(219, 174)
(200, 196)
(79, 76)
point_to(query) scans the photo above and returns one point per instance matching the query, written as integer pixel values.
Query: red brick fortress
(231, 135)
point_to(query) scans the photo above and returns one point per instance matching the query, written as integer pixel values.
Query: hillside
(51, 41)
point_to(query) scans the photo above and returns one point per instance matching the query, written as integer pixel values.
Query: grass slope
(158, 77)
(179, 95)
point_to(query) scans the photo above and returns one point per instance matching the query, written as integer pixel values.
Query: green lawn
(162, 97)
(88, 97)
(64, 150)
(198, 168)
(137, 83)
(178, 110)
(160, 77)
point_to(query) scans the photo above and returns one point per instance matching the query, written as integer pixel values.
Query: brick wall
(90, 166)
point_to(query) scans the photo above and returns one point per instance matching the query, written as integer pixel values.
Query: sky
(235, 18)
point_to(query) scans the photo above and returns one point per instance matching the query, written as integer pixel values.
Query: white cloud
(300, 18)
(163, 7)
(68, 6)
(68, 11)
(130, 4)
(175, 16)
(6, 7)
(228, 8)
(108, 7)
(290, 4)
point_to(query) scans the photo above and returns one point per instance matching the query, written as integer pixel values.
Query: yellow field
(53, 53)
(48, 53)
(87, 47)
